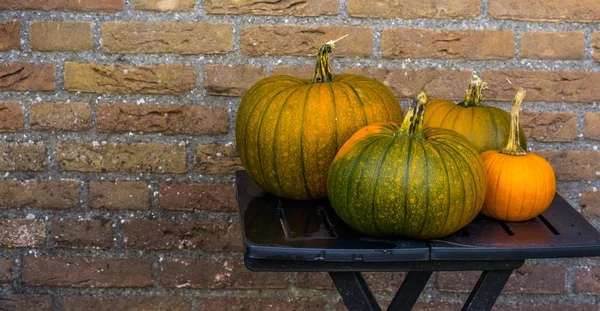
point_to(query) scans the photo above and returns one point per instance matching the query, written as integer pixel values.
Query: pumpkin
(520, 185)
(486, 127)
(390, 180)
(288, 130)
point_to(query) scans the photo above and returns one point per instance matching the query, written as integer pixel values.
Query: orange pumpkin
(520, 185)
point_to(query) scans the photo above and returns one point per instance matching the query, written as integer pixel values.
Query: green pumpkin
(390, 180)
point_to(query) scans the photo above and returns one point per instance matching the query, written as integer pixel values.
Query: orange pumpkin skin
(288, 130)
(518, 187)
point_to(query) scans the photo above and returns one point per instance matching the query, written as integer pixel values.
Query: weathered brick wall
(117, 137)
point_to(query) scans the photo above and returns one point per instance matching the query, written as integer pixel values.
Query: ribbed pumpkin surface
(288, 130)
(385, 183)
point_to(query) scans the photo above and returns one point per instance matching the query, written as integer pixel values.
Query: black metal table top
(279, 229)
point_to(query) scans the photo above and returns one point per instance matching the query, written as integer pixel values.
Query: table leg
(487, 290)
(354, 291)
(409, 292)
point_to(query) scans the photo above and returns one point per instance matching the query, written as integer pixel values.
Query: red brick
(10, 35)
(294, 7)
(419, 306)
(574, 165)
(193, 197)
(224, 274)
(51, 36)
(73, 233)
(525, 280)
(588, 281)
(552, 86)
(63, 5)
(86, 272)
(260, 304)
(596, 46)
(120, 195)
(26, 303)
(156, 37)
(11, 117)
(590, 203)
(22, 232)
(60, 117)
(39, 194)
(545, 307)
(300, 72)
(276, 40)
(546, 10)
(567, 45)
(131, 303)
(231, 80)
(164, 5)
(407, 83)
(592, 126)
(456, 9)
(16, 156)
(377, 281)
(6, 266)
(171, 235)
(23, 76)
(170, 120)
(447, 44)
(170, 79)
(216, 159)
(114, 157)
(549, 126)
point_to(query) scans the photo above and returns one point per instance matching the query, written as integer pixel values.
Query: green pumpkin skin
(424, 185)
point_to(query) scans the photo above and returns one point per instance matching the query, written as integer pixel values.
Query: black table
(282, 235)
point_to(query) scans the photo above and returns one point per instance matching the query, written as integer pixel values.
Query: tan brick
(456, 9)
(60, 36)
(447, 44)
(11, 117)
(300, 72)
(26, 303)
(596, 45)
(113, 157)
(231, 80)
(74, 233)
(552, 86)
(63, 5)
(178, 38)
(218, 274)
(214, 236)
(407, 83)
(22, 156)
(549, 126)
(275, 40)
(23, 76)
(60, 117)
(216, 159)
(293, 7)
(260, 304)
(587, 280)
(6, 268)
(170, 120)
(164, 5)
(120, 195)
(39, 194)
(592, 125)
(567, 45)
(86, 272)
(590, 203)
(171, 79)
(10, 35)
(22, 232)
(546, 10)
(189, 197)
(129, 303)
(574, 165)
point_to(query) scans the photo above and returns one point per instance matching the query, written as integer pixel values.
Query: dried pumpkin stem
(413, 122)
(513, 147)
(323, 71)
(474, 93)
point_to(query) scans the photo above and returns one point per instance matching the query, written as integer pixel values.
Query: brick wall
(117, 138)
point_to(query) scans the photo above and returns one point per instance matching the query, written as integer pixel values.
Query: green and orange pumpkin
(288, 130)
(390, 180)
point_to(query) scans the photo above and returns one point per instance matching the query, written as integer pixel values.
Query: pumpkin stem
(513, 147)
(323, 71)
(413, 122)
(474, 93)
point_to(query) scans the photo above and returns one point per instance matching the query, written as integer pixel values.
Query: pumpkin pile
(342, 136)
